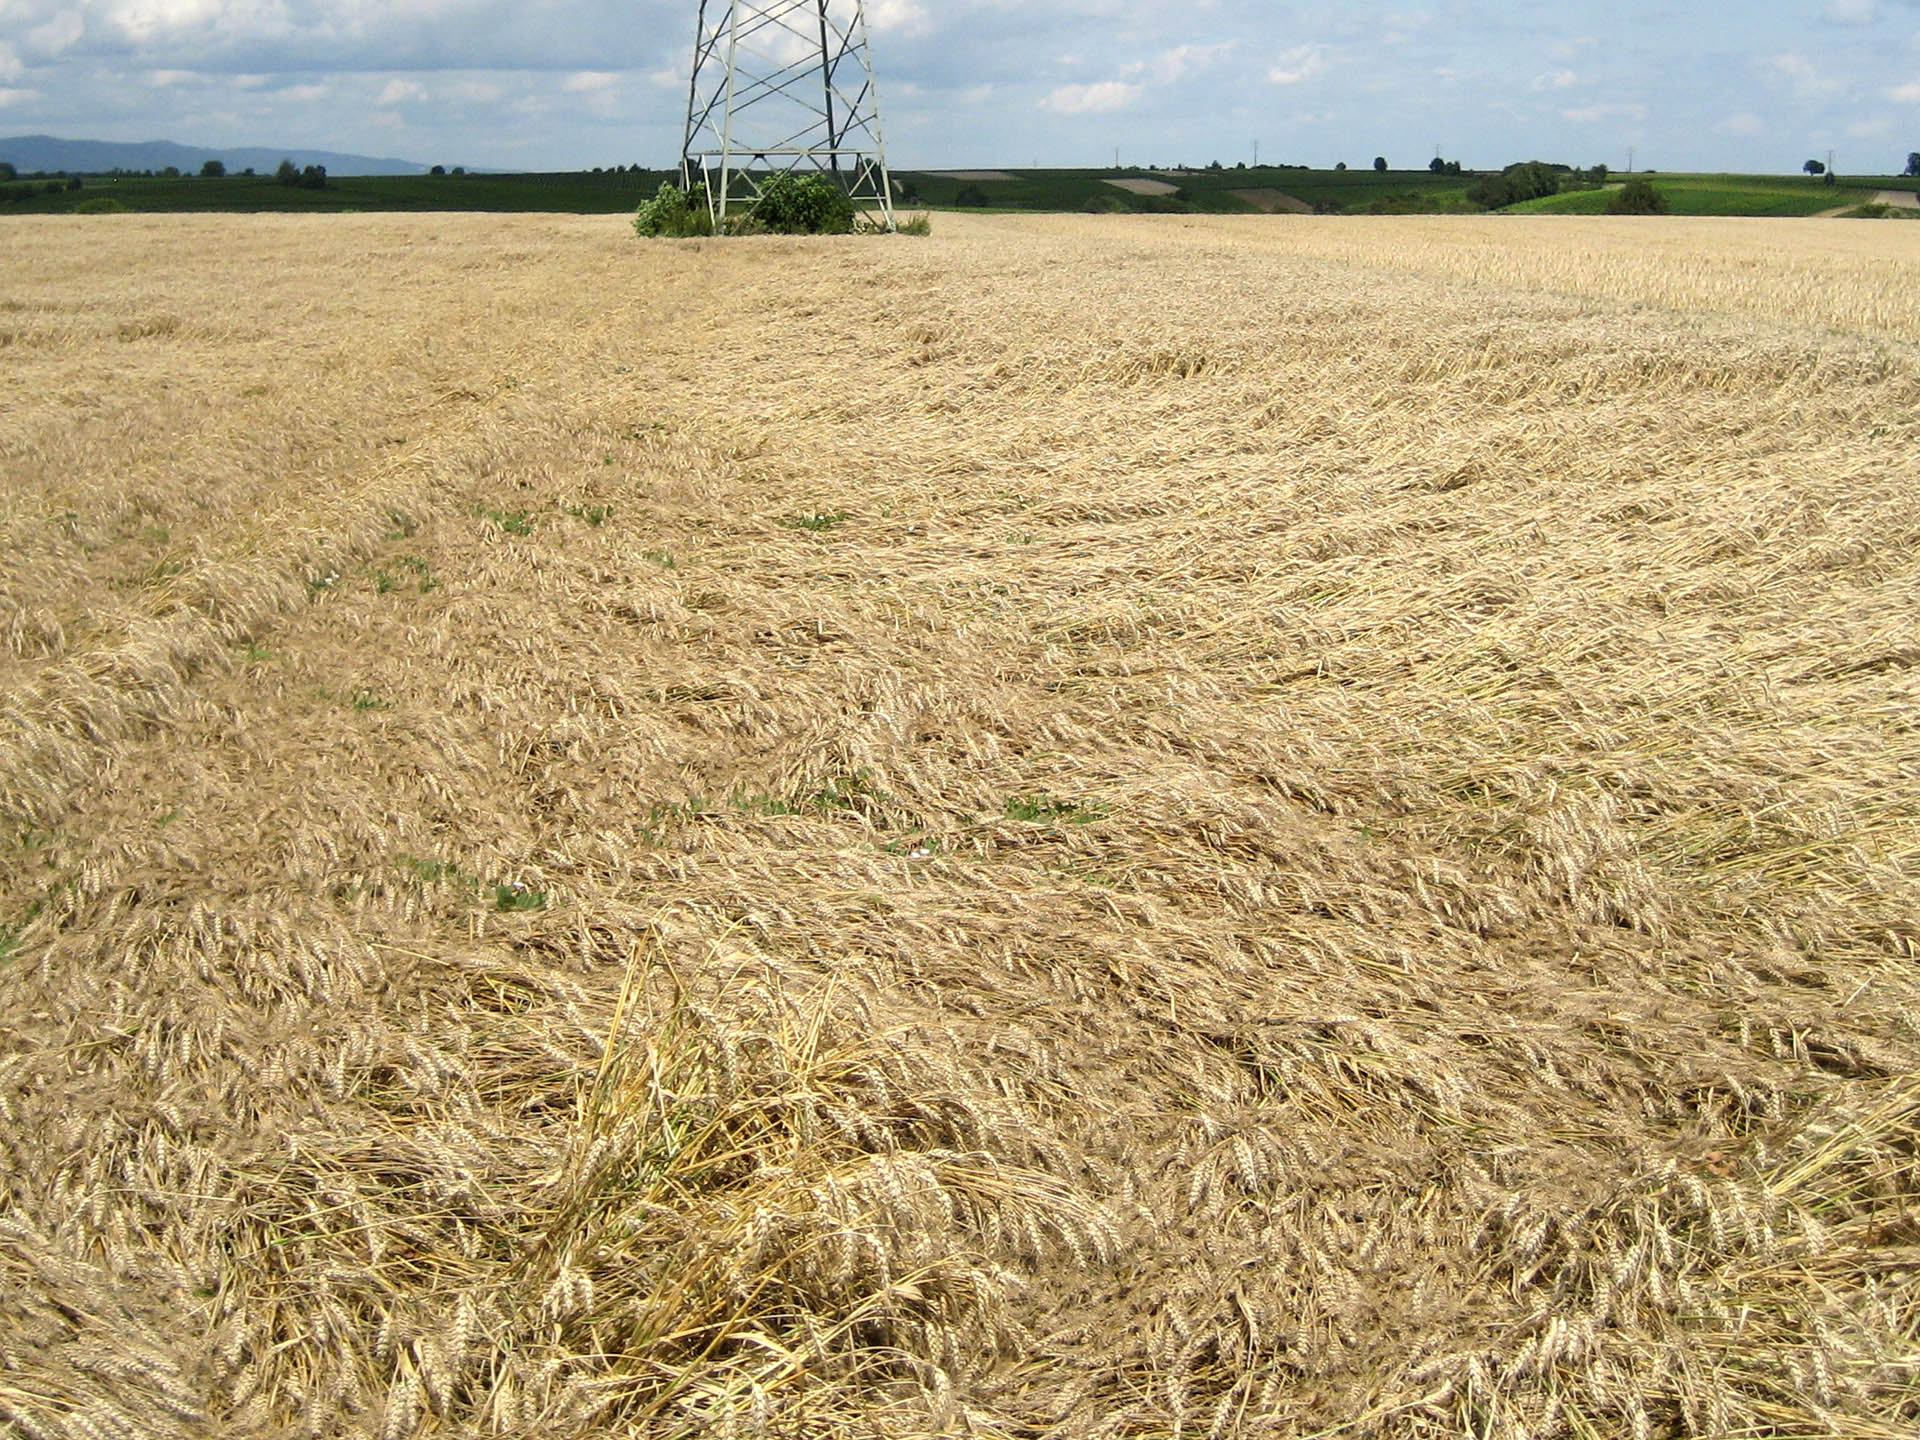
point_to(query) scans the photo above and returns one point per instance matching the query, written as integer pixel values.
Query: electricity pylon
(782, 85)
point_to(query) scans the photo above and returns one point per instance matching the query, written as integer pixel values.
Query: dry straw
(1089, 827)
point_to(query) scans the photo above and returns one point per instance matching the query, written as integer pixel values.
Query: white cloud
(592, 82)
(1852, 12)
(164, 78)
(401, 92)
(1303, 62)
(1744, 123)
(59, 34)
(1102, 98)
(1871, 129)
(1807, 79)
(1909, 94)
(1594, 114)
(17, 97)
(141, 20)
(1555, 80)
(897, 17)
(10, 66)
(301, 94)
(1177, 63)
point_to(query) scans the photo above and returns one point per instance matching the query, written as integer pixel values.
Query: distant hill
(44, 152)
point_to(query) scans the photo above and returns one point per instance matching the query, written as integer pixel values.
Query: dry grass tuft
(1188, 828)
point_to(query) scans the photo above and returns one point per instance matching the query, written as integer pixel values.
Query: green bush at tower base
(673, 215)
(792, 204)
(788, 204)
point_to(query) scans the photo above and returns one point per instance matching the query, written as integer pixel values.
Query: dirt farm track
(1124, 827)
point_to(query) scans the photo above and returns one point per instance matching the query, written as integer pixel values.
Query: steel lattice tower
(784, 85)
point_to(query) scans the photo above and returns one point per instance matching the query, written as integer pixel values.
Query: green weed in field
(1046, 810)
(817, 521)
(513, 896)
(512, 522)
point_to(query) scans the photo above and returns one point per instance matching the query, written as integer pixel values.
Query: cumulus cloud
(304, 94)
(898, 17)
(10, 66)
(1174, 65)
(1102, 98)
(1852, 12)
(142, 20)
(1594, 114)
(1807, 79)
(1303, 62)
(402, 92)
(59, 34)
(589, 82)
(1555, 80)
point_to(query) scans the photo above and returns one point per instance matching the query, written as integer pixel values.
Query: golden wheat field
(1122, 827)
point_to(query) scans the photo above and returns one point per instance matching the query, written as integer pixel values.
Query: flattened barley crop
(1087, 827)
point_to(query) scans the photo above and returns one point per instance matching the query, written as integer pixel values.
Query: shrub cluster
(313, 177)
(1529, 180)
(792, 204)
(1638, 197)
(30, 189)
(788, 205)
(672, 214)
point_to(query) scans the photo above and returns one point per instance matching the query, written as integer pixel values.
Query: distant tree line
(14, 190)
(312, 177)
(1532, 180)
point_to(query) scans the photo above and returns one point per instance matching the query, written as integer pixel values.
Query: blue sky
(567, 83)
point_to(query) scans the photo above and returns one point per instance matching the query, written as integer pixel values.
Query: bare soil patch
(1339, 864)
(1144, 187)
(1271, 202)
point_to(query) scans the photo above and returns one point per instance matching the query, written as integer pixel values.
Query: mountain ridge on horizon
(28, 153)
